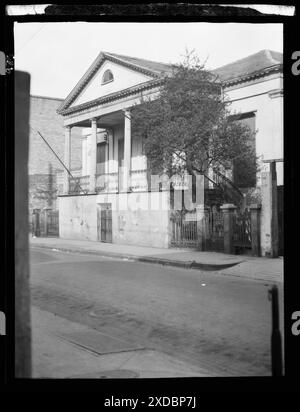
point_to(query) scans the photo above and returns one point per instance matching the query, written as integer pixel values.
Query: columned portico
(67, 159)
(93, 157)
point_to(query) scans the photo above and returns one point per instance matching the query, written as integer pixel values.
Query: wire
(39, 133)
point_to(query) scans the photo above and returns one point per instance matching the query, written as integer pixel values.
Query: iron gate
(184, 233)
(52, 223)
(214, 231)
(242, 230)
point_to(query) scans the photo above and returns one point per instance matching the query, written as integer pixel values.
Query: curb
(144, 259)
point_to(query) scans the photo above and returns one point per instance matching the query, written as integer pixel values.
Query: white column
(84, 155)
(67, 158)
(93, 156)
(110, 152)
(127, 150)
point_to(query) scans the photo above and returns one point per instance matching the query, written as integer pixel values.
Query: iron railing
(184, 232)
(79, 184)
(214, 231)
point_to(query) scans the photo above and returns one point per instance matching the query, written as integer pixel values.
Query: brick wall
(42, 161)
(42, 191)
(43, 117)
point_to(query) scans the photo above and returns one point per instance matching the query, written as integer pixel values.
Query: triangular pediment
(127, 72)
(123, 78)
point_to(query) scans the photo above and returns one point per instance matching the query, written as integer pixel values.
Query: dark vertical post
(201, 217)
(274, 211)
(46, 212)
(36, 222)
(228, 212)
(276, 351)
(22, 296)
(255, 229)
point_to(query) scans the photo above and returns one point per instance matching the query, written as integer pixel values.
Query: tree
(188, 127)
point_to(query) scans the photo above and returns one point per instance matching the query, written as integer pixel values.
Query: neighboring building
(43, 165)
(114, 169)
(254, 86)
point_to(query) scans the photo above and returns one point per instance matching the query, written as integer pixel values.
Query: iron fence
(184, 233)
(79, 184)
(214, 231)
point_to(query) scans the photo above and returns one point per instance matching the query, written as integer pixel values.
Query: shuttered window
(244, 172)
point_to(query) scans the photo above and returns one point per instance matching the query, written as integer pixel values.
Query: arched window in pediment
(107, 77)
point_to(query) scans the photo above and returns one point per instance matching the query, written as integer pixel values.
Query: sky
(57, 54)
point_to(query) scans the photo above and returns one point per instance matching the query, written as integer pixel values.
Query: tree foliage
(188, 128)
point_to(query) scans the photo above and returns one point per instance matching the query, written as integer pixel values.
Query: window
(101, 158)
(107, 77)
(244, 172)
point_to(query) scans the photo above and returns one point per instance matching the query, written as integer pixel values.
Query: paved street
(219, 323)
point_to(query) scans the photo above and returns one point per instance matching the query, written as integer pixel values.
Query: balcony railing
(138, 180)
(79, 184)
(113, 182)
(107, 183)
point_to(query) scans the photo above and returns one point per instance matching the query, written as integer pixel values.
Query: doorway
(104, 222)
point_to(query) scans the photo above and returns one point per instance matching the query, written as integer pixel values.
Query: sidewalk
(65, 349)
(264, 269)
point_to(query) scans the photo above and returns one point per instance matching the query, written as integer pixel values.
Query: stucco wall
(137, 218)
(78, 217)
(268, 107)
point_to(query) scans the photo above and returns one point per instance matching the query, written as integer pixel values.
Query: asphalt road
(218, 322)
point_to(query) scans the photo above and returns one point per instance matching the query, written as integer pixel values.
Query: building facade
(43, 165)
(110, 201)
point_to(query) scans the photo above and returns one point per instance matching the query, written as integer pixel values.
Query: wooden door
(104, 222)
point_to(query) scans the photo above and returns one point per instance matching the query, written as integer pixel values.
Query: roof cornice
(113, 96)
(251, 76)
(65, 110)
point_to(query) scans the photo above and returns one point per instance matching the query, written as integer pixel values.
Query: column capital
(127, 112)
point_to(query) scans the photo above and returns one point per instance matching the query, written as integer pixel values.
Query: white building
(118, 207)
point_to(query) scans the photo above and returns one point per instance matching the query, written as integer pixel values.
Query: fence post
(228, 210)
(255, 229)
(201, 214)
(45, 220)
(36, 222)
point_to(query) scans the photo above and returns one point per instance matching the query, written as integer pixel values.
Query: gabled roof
(255, 63)
(148, 67)
(154, 67)
(241, 70)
